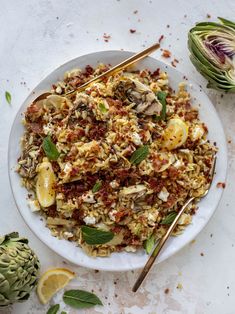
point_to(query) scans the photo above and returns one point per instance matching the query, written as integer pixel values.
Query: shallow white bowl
(120, 261)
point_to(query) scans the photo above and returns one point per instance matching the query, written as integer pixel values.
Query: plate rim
(124, 267)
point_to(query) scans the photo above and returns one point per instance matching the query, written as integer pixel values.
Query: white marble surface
(38, 36)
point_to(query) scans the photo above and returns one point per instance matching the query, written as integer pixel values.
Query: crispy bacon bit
(156, 184)
(172, 172)
(166, 53)
(106, 37)
(190, 115)
(35, 127)
(73, 189)
(97, 131)
(155, 73)
(51, 211)
(88, 70)
(78, 215)
(174, 62)
(132, 31)
(160, 38)
(221, 185)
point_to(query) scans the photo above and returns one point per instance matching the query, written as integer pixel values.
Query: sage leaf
(149, 244)
(50, 148)
(96, 187)
(53, 309)
(8, 97)
(162, 98)
(139, 155)
(102, 107)
(169, 218)
(80, 299)
(93, 236)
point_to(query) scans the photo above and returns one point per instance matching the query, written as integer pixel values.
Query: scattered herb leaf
(53, 309)
(81, 299)
(102, 107)
(149, 244)
(94, 236)
(169, 218)
(97, 186)
(139, 155)
(63, 312)
(162, 98)
(50, 148)
(8, 97)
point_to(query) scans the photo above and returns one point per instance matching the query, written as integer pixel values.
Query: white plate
(120, 261)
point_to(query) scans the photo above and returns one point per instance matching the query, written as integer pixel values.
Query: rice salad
(109, 167)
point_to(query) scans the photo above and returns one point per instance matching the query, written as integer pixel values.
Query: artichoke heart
(45, 185)
(19, 269)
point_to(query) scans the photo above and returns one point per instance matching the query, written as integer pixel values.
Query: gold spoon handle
(159, 246)
(136, 57)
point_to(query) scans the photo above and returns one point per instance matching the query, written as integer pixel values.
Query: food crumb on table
(202, 254)
(167, 290)
(221, 185)
(132, 31)
(179, 286)
(166, 53)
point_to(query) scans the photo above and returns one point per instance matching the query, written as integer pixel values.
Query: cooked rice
(96, 133)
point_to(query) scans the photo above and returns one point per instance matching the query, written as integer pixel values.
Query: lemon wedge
(52, 281)
(45, 185)
(175, 134)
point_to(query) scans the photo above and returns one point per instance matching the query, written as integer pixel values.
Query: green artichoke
(19, 268)
(212, 47)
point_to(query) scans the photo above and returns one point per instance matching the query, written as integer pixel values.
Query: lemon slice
(52, 281)
(45, 185)
(175, 134)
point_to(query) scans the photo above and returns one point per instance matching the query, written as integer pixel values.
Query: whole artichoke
(212, 47)
(19, 268)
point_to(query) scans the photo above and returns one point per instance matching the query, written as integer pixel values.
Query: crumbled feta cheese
(88, 198)
(136, 138)
(114, 184)
(34, 205)
(163, 195)
(47, 128)
(197, 133)
(112, 214)
(67, 168)
(130, 248)
(68, 234)
(58, 89)
(178, 164)
(89, 220)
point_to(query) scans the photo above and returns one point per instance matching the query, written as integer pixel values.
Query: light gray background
(38, 36)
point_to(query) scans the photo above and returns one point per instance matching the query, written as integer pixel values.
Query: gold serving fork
(121, 66)
(160, 244)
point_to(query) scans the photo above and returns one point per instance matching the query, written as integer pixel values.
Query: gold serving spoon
(124, 64)
(160, 244)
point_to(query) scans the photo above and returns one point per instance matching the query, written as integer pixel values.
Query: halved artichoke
(212, 47)
(19, 268)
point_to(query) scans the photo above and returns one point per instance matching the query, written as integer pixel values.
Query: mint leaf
(139, 155)
(81, 299)
(8, 97)
(169, 218)
(149, 244)
(53, 309)
(162, 98)
(96, 187)
(102, 107)
(93, 236)
(50, 148)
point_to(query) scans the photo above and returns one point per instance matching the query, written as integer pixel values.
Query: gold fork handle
(136, 57)
(159, 246)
